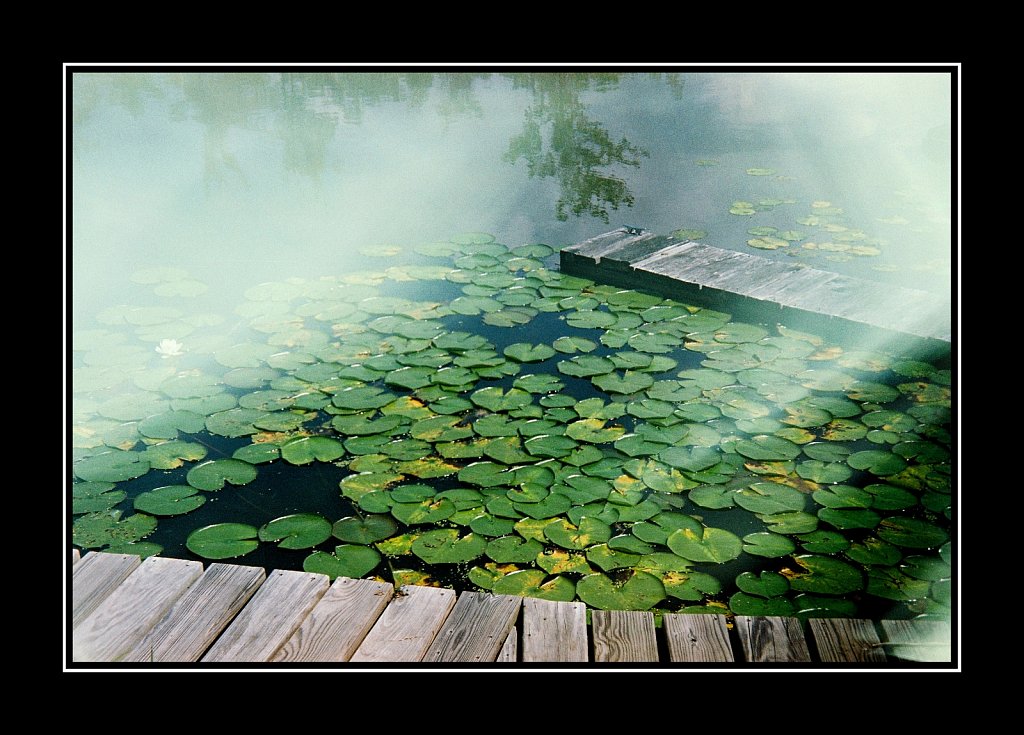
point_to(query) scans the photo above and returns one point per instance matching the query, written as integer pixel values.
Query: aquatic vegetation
(625, 450)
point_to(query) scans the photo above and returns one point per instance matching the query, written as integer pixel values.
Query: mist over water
(244, 177)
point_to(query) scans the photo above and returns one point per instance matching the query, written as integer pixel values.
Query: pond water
(335, 297)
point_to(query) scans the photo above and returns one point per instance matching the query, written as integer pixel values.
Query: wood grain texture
(697, 638)
(75, 556)
(624, 635)
(510, 649)
(846, 640)
(408, 626)
(95, 577)
(476, 628)
(772, 639)
(271, 617)
(554, 631)
(198, 617)
(125, 617)
(340, 621)
(918, 640)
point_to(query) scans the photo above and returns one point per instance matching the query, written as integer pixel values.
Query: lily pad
(892, 584)
(349, 561)
(170, 500)
(305, 450)
(825, 575)
(216, 473)
(767, 448)
(513, 550)
(93, 530)
(423, 512)
(551, 445)
(848, 518)
(767, 584)
(641, 591)
(911, 533)
(569, 345)
(223, 540)
(526, 352)
(445, 546)
(359, 398)
(823, 472)
(742, 603)
(298, 531)
(234, 422)
(768, 498)
(770, 545)
(713, 496)
(876, 461)
(823, 542)
(113, 466)
(588, 532)
(627, 383)
(557, 561)
(364, 531)
(93, 497)
(713, 545)
(535, 583)
(792, 522)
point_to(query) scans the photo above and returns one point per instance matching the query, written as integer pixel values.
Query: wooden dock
(842, 308)
(165, 611)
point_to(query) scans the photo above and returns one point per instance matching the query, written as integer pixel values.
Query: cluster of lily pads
(534, 434)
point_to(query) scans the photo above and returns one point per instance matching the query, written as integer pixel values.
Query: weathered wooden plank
(75, 556)
(509, 650)
(95, 577)
(918, 640)
(680, 252)
(476, 628)
(772, 639)
(127, 614)
(339, 622)
(621, 635)
(697, 638)
(846, 640)
(199, 615)
(268, 621)
(408, 626)
(554, 631)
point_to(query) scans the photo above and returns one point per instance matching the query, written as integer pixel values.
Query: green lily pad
(444, 546)
(93, 497)
(170, 500)
(557, 561)
(423, 512)
(843, 496)
(823, 472)
(298, 531)
(929, 568)
(892, 584)
(848, 518)
(142, 549)
(793, 522)
(364, 531)
(823, 542)
(167, 425)
(535, 583)
(94, 530)
(570, 345)
(488, 525)
(767, 584)
(767, 448)
(113, 466)
(826, 451)
(348, 561)
(594, 431)
(713, 545)
(742, 603)
(641, 591)
(223, 540)
(770, 545)
(359, 398)
(216, 473)
(172, 454)
(825, 575)
(588, 532)
(839, 430)
(660, 562)
(552, 445)
(877, 461)
(513, 550)
(629, 544)
(627, 383)
(306, 449)
(713, 496)
(486, 474)
(495, 399)
(234, 422)
(585, 366)
(813, 606)
(525, 352)
(769, 498)
(911, 533)
(874, 552)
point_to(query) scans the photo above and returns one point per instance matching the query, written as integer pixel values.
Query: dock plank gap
(848, 310)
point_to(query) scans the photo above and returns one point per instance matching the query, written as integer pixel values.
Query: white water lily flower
(170, 348)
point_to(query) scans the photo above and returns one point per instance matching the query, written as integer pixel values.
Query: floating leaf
(347, 560)
(525, 352)
(423, 512)
(570, 345)
(847, 518)
(588, 532)
(877, 462)
(531, 583)
(767, 448)
(557, 561)
(94, 530)
(769, 545)
(825, 575)
(911, 533)
(513, 550)
(640, 591)
(444, 546)
(794, 522)
(843, 496)
(234, 422)
(550, 445)
(743, 604)
(892, 584)
(769, 498)
(364, 531)
(873, 551)
(298, 531)
(628, 382)
(170, 500)
(583, 366)
(767, 584)
(714, 545)
(306, 449)
(113, 466)
(223, 540)
(713, 496)
(93, 497)
(213, 475)
(823, 542)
